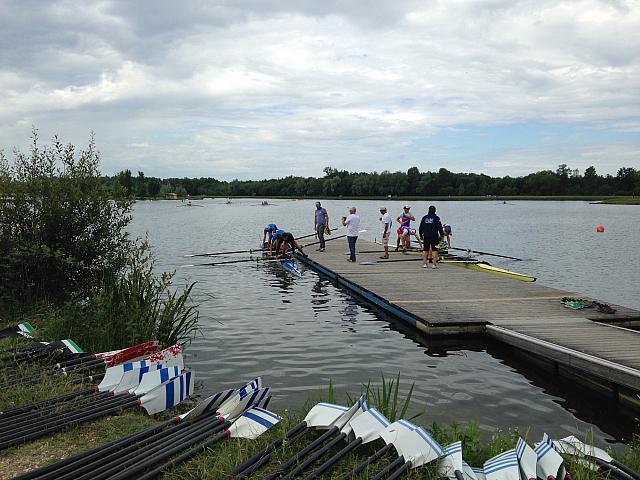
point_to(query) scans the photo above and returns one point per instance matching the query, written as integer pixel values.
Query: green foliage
(131, 305)
(386, 397)
(60, 228)
(341, 183)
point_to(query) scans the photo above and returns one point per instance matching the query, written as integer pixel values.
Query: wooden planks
(527, 315)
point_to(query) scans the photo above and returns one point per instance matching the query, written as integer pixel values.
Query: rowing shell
(501, 272)
(292, 266)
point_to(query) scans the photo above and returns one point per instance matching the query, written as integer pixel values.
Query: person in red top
(404, 219)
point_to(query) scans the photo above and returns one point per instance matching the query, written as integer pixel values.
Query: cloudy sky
(255, 89)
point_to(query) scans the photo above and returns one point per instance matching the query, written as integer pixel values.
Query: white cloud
(242, 88)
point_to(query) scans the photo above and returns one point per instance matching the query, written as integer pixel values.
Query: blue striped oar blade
(168, 394)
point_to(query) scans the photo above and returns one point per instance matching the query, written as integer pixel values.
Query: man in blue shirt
(320, 224)
(430, 232)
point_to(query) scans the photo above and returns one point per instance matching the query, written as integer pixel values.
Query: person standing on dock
(352, 222)
(404, 219)
(430, 232)
(385, 230)
(321, 223)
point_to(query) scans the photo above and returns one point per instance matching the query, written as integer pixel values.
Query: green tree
(60, 228)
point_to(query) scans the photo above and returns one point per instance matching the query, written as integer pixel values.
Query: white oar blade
(550, 464)
(253, 423)
(208, 405)
(130, 381)
(171, 356)
(357, 409)
(479, 473)
(417, 446)
(168, 394)
(527, 460)
(390, 433)
(468, 472)
(155, 378)
(324, 415)
(236, 403)
(585, 449)
(232, 410)
(503, 466)
(369, 425)
(451, 461)
(71, 346)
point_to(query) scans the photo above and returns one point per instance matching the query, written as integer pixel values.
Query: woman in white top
(352, 222)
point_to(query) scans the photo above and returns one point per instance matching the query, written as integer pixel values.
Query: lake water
(300, 333)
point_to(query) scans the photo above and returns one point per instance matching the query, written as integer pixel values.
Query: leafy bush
(60, 229)
(130, 306)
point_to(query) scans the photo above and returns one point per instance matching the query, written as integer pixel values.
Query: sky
(254, 89)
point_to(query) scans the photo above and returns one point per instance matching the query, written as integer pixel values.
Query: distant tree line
(563, 181)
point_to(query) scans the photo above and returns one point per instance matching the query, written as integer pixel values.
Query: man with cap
(385, 230)
(404, 219)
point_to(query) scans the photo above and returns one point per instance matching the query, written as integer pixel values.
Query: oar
(415, 448)
(572, 446)
(366, 428)
(527, 460)
(129, 465)
(90, 460)
(450, 465)
(503, 466)
(550, 464)
(485, 253)
(233, 252)
(321, 416)
(229, 262)
(250, 425)
(154, 400)
(309, 454)
(331, 239)
(22, 330)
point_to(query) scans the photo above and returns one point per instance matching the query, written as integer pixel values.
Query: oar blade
(130, 381)
(134, 352)
(369, 425)
(527, 460)
(572, 442)
(503, 466)
(252, 423)
(208, 405)
(468, 472)
(452, 461)
(154, 378)
(550, 464)
(169, 394)
(417, 446)
(324, 415)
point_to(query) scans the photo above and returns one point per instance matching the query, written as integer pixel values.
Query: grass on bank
(218, 461)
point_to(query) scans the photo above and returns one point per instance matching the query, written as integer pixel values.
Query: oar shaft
(313, 457)
(400, 472)
(129, 456)
(626, 469)
(132, 471)
(301, 454)
(266, 452)
(389, 468)
(333, 461)
(372, 459)
(55, 470)
(485, 253)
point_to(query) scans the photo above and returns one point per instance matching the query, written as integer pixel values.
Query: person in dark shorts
(285, 242)
(431, 232)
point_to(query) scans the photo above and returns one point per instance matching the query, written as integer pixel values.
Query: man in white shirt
(385, 230)
(352, 222)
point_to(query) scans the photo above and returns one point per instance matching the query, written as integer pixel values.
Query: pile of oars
(43, 352)
(238, 413)
(77, 363)
(156, 382)
(410, 447)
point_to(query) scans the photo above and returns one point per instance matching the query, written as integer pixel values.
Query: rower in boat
(447, 233)
(404, 219)
(286, 241)
(269, 231)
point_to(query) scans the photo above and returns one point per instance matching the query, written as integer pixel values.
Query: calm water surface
(298, 333)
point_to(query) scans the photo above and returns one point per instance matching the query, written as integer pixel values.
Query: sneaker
(424, 266)
(318, 249)
(434, 266)
(384, 257)
(321, 249)
(397, 248)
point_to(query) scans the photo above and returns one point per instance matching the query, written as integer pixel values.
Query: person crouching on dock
(285, 242)
(269, 231)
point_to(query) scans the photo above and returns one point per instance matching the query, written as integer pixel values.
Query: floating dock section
(529, 317)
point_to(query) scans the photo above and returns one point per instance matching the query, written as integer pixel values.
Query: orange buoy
(600, 229)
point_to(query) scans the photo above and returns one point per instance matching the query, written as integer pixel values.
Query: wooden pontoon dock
(527, 316)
